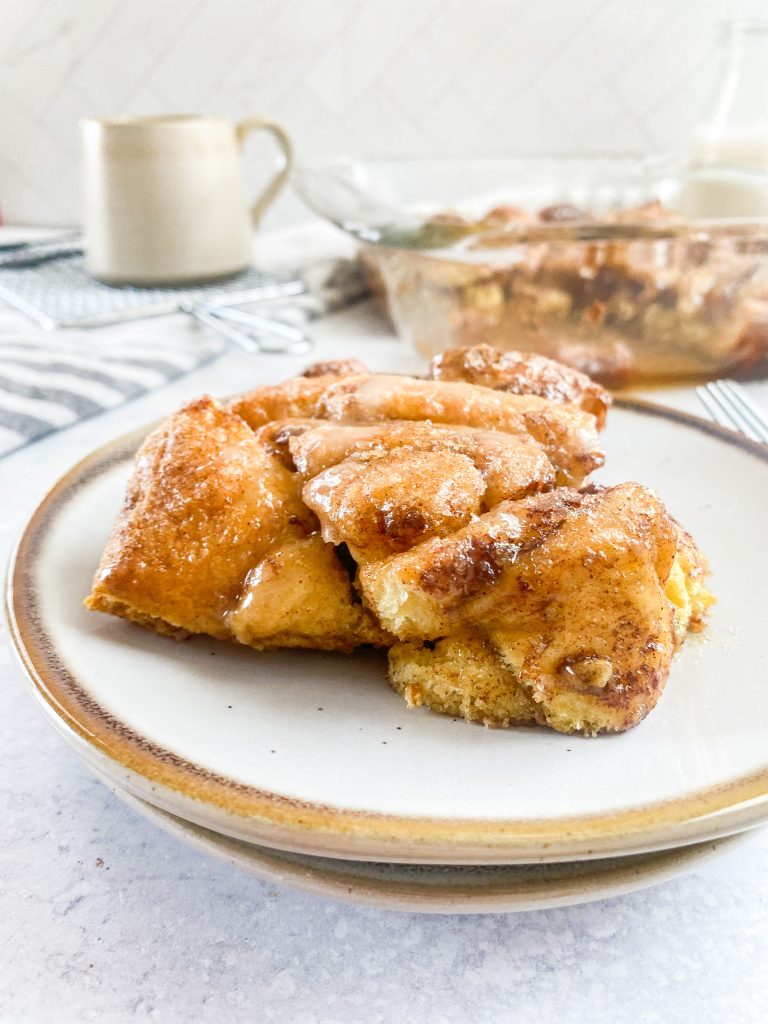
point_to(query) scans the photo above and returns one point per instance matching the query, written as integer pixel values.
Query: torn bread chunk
(511, 466)
(477, 388)
(582, 599)
(380, 504)
(567, 434)
(206, 507)
(463, 677)
(522, 373)
(300, 595)
(296, 398)
(334, 368)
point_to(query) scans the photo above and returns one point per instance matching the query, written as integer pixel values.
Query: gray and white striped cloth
(48, 382)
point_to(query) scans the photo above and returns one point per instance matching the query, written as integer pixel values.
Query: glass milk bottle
(729, 149)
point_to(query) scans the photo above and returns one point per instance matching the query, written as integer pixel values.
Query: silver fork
(729, 405)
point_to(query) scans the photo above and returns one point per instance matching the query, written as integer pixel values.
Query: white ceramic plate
(443, 888)
(314, 753)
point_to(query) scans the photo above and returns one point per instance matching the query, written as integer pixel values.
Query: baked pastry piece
(214, 538)
(522, 373)
(564, 431)
(510, 466)
(562, 609)
(437, 518)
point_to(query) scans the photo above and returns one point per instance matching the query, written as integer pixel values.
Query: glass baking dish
(584, 260)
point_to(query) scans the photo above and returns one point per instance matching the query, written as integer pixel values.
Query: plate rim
(280, 821)
(624, 875)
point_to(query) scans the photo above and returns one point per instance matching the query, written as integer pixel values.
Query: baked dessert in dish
(447, 519)
(629, 294)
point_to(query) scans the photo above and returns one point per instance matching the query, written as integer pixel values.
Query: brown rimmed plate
(443, 888)
(314, 753)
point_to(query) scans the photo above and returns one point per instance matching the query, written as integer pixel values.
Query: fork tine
(714, 410)
(751, 412)
(727, 415)
(731, 410)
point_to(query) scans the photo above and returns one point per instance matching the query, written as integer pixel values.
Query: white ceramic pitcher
(165, 198)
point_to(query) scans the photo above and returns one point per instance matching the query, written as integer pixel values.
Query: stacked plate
(306, 768)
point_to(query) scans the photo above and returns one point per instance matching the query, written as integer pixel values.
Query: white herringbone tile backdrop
(376, 78)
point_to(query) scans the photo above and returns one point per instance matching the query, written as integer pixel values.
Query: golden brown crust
(276, 436)
(511, 466)
(522, 373)
(299, 595)
(379, 504)
(101, 601)
(335, 368)
(567, 435)
(208, 507)
(204, 499)
(568, 589)
(297, 398)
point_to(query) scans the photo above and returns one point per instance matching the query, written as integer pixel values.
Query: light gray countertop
(105, 918)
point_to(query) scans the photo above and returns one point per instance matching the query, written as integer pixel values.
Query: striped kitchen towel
(50, 380)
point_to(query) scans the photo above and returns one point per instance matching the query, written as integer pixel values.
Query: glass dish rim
(659, 165)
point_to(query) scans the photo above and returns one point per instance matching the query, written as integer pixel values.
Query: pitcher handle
(270, 193)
